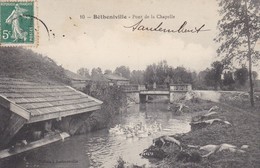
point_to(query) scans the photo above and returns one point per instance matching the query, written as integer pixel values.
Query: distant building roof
(37, 101)
(115, 77)
(99, 78)
(74, 76)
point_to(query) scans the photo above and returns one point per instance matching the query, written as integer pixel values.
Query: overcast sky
(107, 44)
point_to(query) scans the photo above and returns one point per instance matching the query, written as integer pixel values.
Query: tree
(162, 72)
(107, 71)
(213, 75)
(123, 71)
(96, 72)
(241, 75)
(209, 78)
(150, 75)
(137, 77)
(218, 69)
(181, 75)
(228, 80)
(83, 72)
(254, 75)
(239, 32)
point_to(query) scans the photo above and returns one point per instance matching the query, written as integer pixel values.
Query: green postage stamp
(17, 23)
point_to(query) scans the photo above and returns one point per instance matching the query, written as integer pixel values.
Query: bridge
(140, 93)
(154, 92)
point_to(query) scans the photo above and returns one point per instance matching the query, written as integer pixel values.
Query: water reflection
(101, 149)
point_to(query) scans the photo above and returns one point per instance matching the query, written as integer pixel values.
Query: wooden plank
(61, 114)
(4, 102)
(64, 108)
(14, 108)
(42, 97)
(20, 111)
(30, 106)
(36, 144)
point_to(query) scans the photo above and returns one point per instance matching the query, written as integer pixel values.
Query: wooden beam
(60, 114)
(15, 108)
(6, 152)
(14, 124)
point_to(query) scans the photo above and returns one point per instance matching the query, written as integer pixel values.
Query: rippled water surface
(101, 149)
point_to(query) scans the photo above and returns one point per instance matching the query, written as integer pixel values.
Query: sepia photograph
(129, 84)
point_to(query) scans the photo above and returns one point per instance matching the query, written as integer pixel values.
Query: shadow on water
(101, 149)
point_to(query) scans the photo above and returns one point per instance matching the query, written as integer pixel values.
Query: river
(101, 149)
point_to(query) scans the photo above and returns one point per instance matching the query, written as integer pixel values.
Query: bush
(113, 99)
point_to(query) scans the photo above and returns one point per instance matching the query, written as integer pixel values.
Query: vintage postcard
(129, 84)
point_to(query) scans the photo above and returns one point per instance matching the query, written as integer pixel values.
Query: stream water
(101, 149)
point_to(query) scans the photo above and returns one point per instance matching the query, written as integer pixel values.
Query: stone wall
(133, 97)
(72, 124)
(176, 96)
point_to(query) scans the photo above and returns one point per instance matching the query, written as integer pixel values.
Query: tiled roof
(115, 77)
(44, 101)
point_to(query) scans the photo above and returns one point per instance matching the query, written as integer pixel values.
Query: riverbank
(244, 130)
(114, 102)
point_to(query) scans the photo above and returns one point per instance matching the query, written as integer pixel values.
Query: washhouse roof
(38, 101)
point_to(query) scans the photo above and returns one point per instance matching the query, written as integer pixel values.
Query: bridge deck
(154, 92)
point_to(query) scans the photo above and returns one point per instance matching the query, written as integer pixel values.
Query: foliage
(239, 33)
(241, 76)
(228, 81)
(113, 100)
(107, 71)
(163, 74)
(96, 72)
(234, 30)
(137, 77)
(181, 75)
(150, 75)
(83, 72)
(123, 71)
(213, 75)
(23, 63)
(254, 75)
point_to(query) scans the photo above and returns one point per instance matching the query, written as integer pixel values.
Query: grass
(244, 131)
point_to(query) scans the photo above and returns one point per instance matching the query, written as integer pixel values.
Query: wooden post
(14, 124)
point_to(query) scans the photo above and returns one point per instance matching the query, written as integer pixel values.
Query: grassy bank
(244, 131)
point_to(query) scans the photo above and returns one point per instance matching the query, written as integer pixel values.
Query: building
(77, 81)
(116, 79)
(28, 106)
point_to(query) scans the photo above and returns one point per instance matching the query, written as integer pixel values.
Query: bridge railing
(129, 88)
(158, 87)
(174, 87)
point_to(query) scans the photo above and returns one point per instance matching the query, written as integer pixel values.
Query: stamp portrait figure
(14, 19)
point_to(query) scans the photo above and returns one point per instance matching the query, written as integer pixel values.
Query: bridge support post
(143, 98)
(133, 97)
(171, 97)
